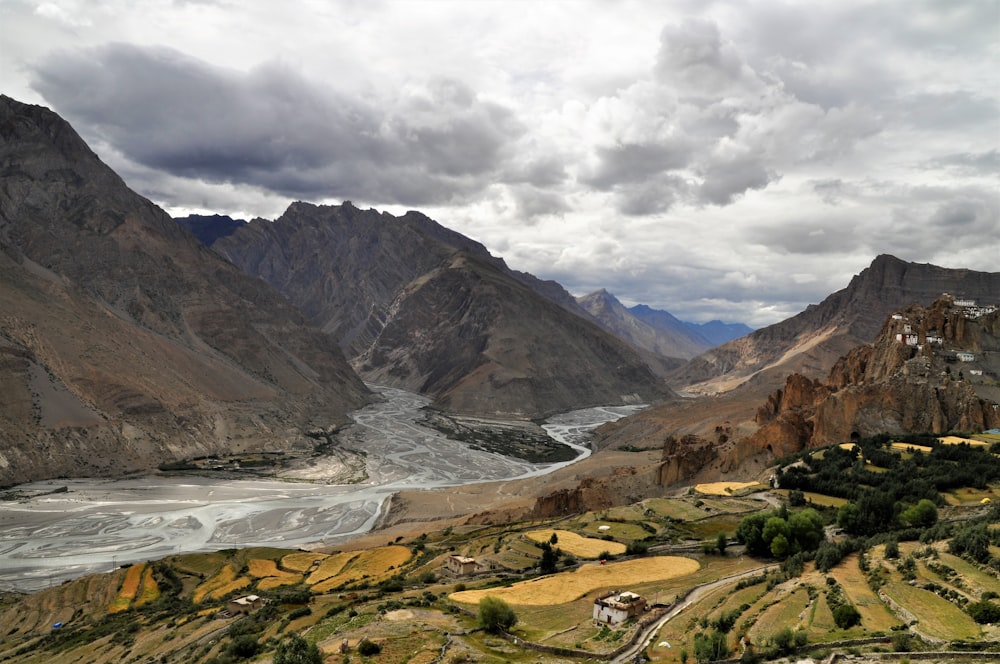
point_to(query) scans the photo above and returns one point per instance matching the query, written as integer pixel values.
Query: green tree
(720, 543)
(495, 615)
(550, 557)
(296, 650)
(921, 515)
(710, 647)
(984, 612)
(806, 528)
(846, 616)
(847, 517)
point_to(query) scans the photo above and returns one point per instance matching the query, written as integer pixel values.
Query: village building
(965, 357)
(618, 607)
(461, 565)
(246, 604)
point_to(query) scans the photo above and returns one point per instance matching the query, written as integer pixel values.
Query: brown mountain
(673, 342)
(708, 428)
(419, 306)
(124, 342)
(810, 342)
(931, 369)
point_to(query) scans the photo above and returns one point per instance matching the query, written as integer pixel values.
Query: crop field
(150, 589)
(583, 547)
(958, 440)
(910, 447)
(817, 498)
(875, 616)
(937, 617)
(371, 565)
(679, 510)
(270, 576)
(568, 586)
(791, 610)
(330, 566)
(302, 561)
(616, 530)
(129, 589)
(726, 488)
(226, 581)
(970, 496)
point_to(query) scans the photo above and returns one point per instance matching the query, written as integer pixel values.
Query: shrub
(296, 650)
(495, 615)
(368, 648)
(984, 612)
(846, 616)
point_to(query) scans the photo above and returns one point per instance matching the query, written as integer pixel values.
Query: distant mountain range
(658, 331)
(418, 306)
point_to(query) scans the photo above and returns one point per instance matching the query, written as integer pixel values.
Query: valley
(97, 524)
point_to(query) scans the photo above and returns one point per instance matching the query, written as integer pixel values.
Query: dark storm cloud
(270, 127)
(637, 162)
(726, 180)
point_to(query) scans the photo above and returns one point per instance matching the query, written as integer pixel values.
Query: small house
(618, 607)
(461, 565)
(246, 604)
(965, 357)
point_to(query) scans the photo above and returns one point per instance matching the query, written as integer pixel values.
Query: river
(99, 524)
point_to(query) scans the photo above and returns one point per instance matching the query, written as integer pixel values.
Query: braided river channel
(96, 524)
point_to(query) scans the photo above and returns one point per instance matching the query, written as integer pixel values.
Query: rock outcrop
(124, 342)
(930, 370)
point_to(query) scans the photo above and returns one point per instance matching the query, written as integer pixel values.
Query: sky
(720, 160)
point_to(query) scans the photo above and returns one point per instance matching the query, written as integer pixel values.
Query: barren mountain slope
(421, 307)
(123, 341)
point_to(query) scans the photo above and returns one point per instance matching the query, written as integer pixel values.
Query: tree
(892, 548)
(296, 650)
(921, 515)
(495, 615)
(710, 647)
(550, 557)
(720, 544)
(554, 539)
(984, 612)
(846, 616)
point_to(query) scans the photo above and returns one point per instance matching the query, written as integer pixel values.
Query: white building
(618, 607)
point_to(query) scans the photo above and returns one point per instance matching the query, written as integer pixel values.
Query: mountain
(419, 306)
(209, 228)
(703, 433)
(655, 331)
(124, 342)
(931, 369)
(716, 332)
(810, 342)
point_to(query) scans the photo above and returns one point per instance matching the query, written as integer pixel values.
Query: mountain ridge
(124, 342)
(419, 306)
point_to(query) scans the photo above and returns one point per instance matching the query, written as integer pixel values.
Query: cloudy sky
(733, 160)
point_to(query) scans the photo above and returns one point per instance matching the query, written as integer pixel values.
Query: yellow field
(330, 566)
(584, 547)
(302, 561)
(150, 589)
(903, 447)
(957, 440)
(815, 498)
(219, 585)
(270, 576)
(725, 488)
(372, 565)
(570, 586)
(129, 589)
